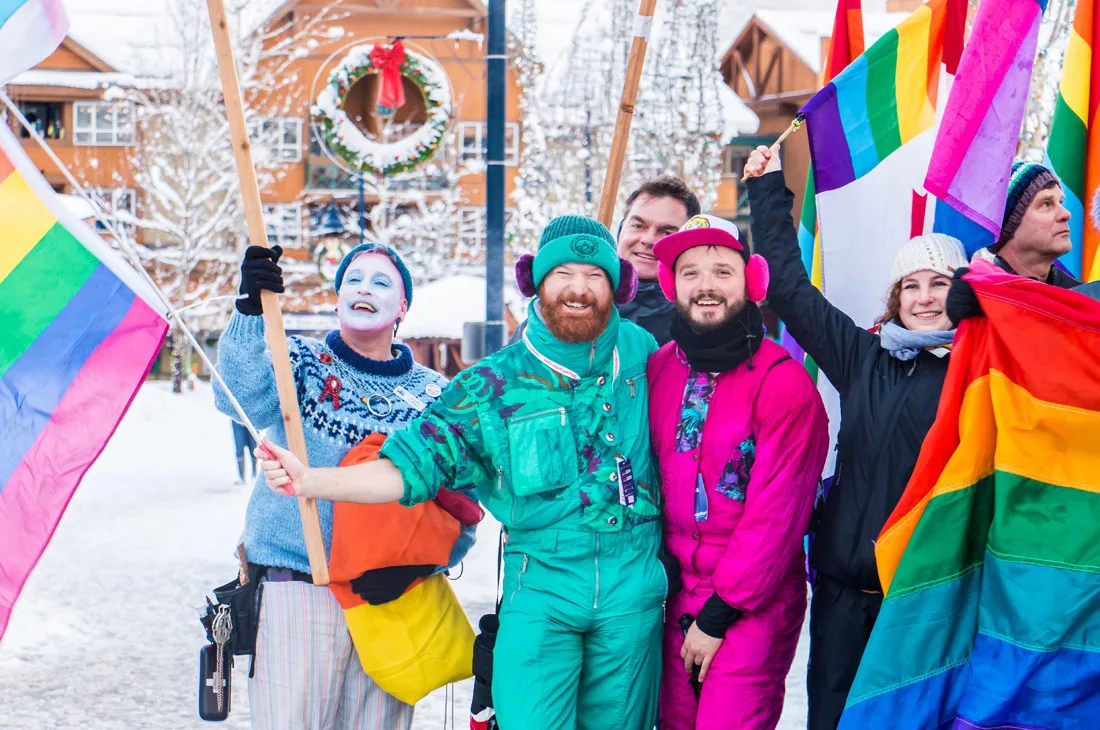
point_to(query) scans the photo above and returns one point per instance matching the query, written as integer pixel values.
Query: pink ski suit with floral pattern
(758, 435)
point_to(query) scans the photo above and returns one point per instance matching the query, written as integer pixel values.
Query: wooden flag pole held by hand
(642, 24)
(795, 124)
(273, 315)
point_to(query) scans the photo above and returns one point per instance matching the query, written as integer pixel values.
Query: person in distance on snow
(889, 384)
(741, 436)
(553, 434)
(353, 383)
(657, 208)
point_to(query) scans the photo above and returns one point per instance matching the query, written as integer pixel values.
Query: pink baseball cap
(708, 230)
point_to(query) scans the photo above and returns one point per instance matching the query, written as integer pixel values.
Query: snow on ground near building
(106, 635)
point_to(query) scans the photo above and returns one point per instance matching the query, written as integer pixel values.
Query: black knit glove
(962, 302)
(716, 616)
(260, 271)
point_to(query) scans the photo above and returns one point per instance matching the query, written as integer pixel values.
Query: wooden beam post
(273, 315)
(642, 24)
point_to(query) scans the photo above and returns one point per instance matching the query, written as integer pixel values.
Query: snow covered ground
(106, 634)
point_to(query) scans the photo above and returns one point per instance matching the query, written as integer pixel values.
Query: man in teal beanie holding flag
(552, 433)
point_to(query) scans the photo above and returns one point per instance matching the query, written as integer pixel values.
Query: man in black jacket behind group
(658, 207)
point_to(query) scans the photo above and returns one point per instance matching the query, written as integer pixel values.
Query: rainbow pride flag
(30, 30)
(976, 145)
(80, 331)
(1073, 147)
(871, 131)
(991, 560)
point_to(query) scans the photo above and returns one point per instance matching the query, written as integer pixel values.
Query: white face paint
(371, 295)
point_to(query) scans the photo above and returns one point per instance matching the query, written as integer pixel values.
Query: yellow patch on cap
(698, 221)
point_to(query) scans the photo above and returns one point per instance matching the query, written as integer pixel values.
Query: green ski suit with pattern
(538, 429)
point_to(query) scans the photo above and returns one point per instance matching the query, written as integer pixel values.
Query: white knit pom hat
(930, 252)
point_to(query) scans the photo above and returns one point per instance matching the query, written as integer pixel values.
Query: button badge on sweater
(628, 491)
(433, 390)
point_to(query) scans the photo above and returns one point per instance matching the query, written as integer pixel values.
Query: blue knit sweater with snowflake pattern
(334, 386)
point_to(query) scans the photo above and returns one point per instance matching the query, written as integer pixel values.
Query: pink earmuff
(756, 280)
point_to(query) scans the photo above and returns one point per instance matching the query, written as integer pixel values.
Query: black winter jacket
(887, 406)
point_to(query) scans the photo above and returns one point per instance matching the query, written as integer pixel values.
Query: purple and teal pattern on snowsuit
(693, 413)
(735, 477)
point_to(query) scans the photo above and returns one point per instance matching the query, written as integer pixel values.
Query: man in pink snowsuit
(741, 435)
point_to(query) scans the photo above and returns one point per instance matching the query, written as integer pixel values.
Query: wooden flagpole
(273, 315)
(642, 24)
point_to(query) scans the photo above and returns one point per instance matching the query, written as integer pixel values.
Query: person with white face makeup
(353, 383)
(889, 383)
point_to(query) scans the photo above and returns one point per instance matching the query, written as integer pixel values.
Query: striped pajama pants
(308, 675)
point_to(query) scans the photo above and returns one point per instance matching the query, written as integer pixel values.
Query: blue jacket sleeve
(244, 362)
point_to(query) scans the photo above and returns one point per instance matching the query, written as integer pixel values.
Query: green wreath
(345, 140)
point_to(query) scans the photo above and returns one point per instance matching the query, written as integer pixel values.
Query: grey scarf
(906, 344)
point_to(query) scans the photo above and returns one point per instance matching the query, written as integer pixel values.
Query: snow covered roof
(77, 206)
(441, 307)
(737, 116)
(803, 31)
(73, 79)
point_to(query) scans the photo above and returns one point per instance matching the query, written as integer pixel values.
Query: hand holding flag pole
(273, 317)
(796, 123)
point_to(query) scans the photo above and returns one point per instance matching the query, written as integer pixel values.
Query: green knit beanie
(575, 239)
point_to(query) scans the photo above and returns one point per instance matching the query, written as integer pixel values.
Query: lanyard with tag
(628, 491)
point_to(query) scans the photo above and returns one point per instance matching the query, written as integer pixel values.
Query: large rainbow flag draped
(1073, 147)
(991, 561)
(30, 30)
(80, 331)
(845, 45)
(976, 143)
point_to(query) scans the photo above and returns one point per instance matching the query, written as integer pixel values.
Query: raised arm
(826, 333)
(244, 360)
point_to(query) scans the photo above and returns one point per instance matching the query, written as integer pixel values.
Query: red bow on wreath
(388, 62)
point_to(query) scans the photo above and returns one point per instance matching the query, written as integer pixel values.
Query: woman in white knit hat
(889, 384)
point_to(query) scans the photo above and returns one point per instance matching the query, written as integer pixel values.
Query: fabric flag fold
(81, 330)
(991, 560)
(30, 30)
(976, 143)
(845, 45)
(1073, 147)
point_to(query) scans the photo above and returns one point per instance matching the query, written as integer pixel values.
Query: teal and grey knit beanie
(1025, 182)
(571, 239)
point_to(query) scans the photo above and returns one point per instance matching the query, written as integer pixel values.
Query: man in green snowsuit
(552, 433)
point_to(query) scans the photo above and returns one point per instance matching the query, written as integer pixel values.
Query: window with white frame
(473, 142)
(471, 225)
(281, 137)
(120, 204)
(103, 123)
(284, 224)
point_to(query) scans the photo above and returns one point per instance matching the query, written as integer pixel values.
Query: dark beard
(572, 329)
(713, 325)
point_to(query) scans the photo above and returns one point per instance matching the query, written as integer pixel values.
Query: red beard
(571, 328)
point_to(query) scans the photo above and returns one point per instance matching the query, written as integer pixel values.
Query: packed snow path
(106, 635)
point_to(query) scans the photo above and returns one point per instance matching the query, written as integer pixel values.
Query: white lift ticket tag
(409, 398)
